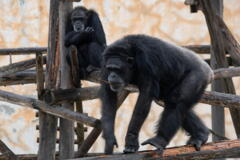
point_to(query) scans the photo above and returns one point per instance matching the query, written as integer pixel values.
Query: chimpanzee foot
(130, 149)
(197, 143)
(158, 142)
(132, 144)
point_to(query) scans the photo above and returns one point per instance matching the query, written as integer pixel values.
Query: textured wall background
(24, 23)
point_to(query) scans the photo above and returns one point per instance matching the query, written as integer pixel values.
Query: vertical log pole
(80, 127)
(48, 123)
(66, 144)
(218, 118)
(40, 75)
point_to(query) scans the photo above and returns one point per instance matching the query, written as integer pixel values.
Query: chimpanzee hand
(89, 29)
(110, 142)
(69, 38)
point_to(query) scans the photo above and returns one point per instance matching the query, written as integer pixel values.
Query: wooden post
(218, 118)
(219, 61)
(48, 123)
(66, 144)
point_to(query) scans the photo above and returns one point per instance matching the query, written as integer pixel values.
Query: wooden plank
(218, 119)
(23, 51)
(66, 144)
(40, 75)
(7, 152)
(223, 149)
(230, 43)
(19, 66)
(18, 78)
(92, 137)
(53, 110)
(205, 49)
(219, 61)
(48, 123)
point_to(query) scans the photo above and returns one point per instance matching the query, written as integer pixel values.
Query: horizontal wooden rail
(22, 51)
(223, 149)
(18, 66)
(54, 110)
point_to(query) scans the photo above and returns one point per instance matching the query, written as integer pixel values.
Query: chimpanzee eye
(130, 60)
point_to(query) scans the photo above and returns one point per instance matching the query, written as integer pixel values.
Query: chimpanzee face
(79, 20)
(119, 73)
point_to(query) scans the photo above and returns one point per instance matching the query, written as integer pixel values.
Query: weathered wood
(47, 122)
(226, 72)
(66, 144)
(58, 129)
(224, 149)
(40, 76)
(77, 84)
(230, 43)
(22, 51)
(21, 157)
(7, 152)
(229, 61)
(88, 142)
(58, 140)
(60, 95)
(201, 49)
(19, 66)
(53, 110)
(219, 61)
(24, 77)
(92, 137)
(230, 101)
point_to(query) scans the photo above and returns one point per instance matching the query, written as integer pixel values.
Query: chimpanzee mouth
(116, 87)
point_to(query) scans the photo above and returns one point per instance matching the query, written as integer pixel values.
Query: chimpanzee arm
(95, 23)
(77, 38)
(109, 108)
(140, 113)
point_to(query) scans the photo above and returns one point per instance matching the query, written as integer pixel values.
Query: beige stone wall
(24, 23)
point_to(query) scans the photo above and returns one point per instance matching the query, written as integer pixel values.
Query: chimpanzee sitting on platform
(84, 30)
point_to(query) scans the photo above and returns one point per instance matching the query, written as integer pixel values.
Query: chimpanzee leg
(95, 52)
(140, 113)
(168, 125)
(178, 104)
(195, 127)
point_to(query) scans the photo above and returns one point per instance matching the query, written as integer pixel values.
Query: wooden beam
(230, 43)
(92, 137)
(22, 51)
(19, 66)
(219, 61)
(53, 110)
(66, 144)
(58, 129)
(201, 49)
(43, 50)
(47, 122)
(223, 149)
(7, 152)
(19, 78)
(226, 72)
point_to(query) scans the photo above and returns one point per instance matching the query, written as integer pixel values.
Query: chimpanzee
(161, 71)
(84, 30)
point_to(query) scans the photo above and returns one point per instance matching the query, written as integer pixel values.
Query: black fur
(162, 71)
(90, 41)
